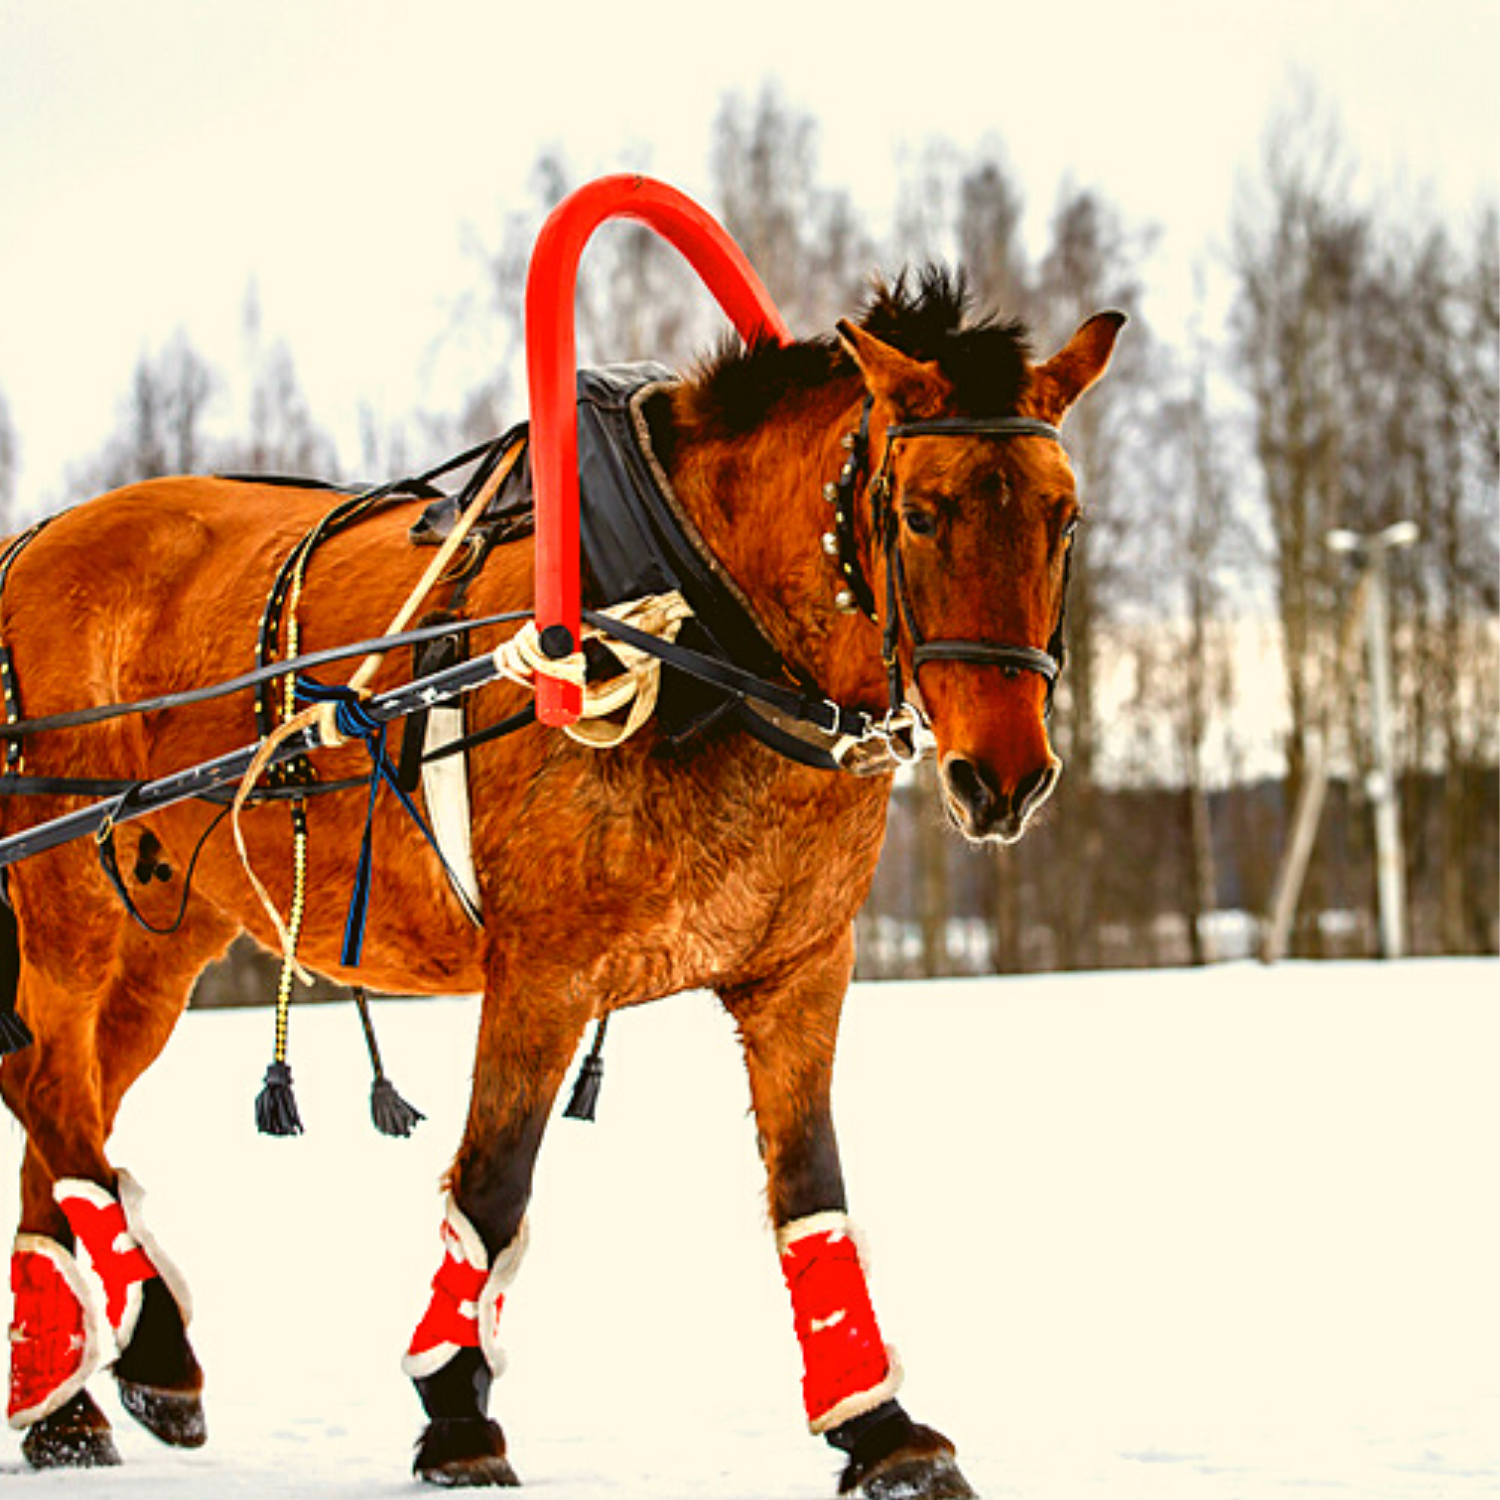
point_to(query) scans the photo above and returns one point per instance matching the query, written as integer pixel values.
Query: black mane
(925, 314)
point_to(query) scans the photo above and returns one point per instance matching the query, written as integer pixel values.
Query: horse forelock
(926, 312)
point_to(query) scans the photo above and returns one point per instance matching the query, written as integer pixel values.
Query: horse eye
(920, 522)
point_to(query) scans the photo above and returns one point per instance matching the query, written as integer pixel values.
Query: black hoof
(916, 1479)
(464, 1453)
(75, 1436)
(893, 1458)
(176, 1417)
(158, 1375)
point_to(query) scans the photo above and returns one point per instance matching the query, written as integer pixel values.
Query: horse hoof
(158, 1375)
(176, 1417)
(464, 1453)
(75, 1436)
(917, 1479)
(896, 1459)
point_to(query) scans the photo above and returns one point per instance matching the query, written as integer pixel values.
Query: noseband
(885, 530)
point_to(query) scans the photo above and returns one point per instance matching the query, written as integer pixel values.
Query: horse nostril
(972, 789)
(1033, 790)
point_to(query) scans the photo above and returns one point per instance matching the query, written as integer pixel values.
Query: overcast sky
(156, 156)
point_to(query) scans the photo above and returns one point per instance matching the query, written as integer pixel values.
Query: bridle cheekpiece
(856, 593)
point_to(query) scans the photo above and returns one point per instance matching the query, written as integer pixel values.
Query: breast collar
(885, 532)
(638, 540)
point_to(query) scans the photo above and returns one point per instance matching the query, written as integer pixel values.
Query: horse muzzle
(986, 807)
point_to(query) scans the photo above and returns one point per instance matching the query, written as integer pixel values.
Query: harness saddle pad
(635, 538)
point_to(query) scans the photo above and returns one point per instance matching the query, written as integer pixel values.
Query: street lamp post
(1390, 868)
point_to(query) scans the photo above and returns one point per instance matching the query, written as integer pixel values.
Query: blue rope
(354, 721)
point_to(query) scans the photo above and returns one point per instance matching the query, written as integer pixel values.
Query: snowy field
(1214, 1235)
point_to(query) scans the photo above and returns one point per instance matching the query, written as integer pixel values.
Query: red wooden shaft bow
(550, 368)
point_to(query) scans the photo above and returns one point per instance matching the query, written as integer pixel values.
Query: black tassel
(585, 1100)
(391, 1113)
(276, 1105)
(15, 1034)
(586, 1086)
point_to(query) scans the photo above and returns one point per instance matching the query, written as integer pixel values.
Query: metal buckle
(906, 734)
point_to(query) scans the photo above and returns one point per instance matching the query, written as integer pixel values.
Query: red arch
(551, 358)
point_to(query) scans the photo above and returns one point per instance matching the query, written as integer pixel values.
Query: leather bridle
(885, 532)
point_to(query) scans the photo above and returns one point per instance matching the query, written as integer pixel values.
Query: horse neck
(758, 502)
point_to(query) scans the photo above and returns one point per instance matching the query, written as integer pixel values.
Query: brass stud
(845, 601)
(831, 492)
(830, 543)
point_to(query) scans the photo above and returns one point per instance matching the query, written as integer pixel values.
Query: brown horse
(608, 877)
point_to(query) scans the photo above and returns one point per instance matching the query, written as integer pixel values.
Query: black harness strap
(14, 751)
(821, 713)
(270, 672)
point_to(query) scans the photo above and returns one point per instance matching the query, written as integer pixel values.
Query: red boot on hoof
(56, 1336)
(848, 1369)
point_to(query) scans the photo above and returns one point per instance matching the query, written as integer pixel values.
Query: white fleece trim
(840, 1226)
(862, 1401)
(428, 1362)
(461, 1239)
(829, 1222)
(467, 1239)
(502, 1273)
(93, 1322)
(132, 1197)
(101, 1198)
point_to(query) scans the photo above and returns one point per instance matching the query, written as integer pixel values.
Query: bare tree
(1091, 264)
(1187, 635)
(1300, 252)
(280, 435)
(162, 422)
(967, 208)
(804, 239)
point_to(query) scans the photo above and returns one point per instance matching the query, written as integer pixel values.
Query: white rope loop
(521, 658)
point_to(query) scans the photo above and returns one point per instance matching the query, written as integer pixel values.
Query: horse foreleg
(789, 1028)
(523, 1054)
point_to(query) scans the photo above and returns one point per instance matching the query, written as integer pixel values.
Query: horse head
(973, 509)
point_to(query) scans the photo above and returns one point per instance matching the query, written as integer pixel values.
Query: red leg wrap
(847, 1367)
(55, 1338)
(468, 1293)
(113, 1253)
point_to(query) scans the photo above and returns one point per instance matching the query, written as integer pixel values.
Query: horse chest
(713, 876)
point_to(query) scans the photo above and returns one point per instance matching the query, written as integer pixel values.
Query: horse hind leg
(850, 1376)
(57, 1337)
(66, 1090)
(157, 1375)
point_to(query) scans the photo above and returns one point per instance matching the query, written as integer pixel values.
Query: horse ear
(912, 387)
(1057, 384)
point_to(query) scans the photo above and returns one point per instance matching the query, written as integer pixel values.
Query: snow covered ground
(1222, 1235)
